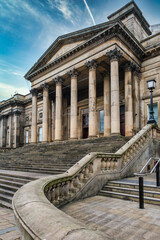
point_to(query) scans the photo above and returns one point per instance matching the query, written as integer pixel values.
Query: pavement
(8, 228)
(118, 219)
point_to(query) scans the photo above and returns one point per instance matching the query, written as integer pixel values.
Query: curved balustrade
(30, 204)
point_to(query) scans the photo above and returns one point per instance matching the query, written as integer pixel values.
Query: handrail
(147, 163)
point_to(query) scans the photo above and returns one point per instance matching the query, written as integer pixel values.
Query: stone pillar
(73, 110)
(10, 130)
(136, 97)
(107, 108)
(45, 112)
(17, 128)
(92, 98)
(58, 117)
(115, 106)
(3, 131)
(128, 100)
(34, 116)
(53, 118)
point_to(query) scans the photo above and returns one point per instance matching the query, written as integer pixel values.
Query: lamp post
(151, 86)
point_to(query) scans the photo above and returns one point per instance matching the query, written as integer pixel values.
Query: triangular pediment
(65, 48)
(66, 43)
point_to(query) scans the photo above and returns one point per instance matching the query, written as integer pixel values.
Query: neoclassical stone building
(89, 83)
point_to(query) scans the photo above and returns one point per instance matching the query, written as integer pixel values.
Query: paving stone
(118, 219)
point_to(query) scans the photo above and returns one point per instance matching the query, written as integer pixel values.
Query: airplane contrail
(89, 12)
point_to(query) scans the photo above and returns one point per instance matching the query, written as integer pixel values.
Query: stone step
(11, 183)
(124, 196)
(152, 194)
(5, 198)
(5, 204)
(132, 185)
(6, 192)
(8, 187)
(12, 178)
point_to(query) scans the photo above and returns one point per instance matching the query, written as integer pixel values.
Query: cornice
(117, 28)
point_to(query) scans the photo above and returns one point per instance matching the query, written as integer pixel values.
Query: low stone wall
(35, 203)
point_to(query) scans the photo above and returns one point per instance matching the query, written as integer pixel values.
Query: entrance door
(122, 120)
(85, 125)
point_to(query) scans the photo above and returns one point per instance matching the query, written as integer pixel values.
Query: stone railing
(35, 214)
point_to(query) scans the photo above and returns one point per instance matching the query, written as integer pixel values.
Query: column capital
(129, 66)
(17, 112)
(73, 73)
(45, 86)
(91, 64)
(2, 117)
(114, 54)
(136, 70)
(34, 92)
(10, 113)
(58, 80)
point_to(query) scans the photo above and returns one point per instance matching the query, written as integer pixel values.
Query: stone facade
(89, 83)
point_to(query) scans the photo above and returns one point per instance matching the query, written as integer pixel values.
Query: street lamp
(151, 86)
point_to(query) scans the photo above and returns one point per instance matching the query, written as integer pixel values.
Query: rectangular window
(27, 136)
(101, 118)
(40, 134)
(155, 110)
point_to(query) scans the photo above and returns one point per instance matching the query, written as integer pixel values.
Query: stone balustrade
(35, 203)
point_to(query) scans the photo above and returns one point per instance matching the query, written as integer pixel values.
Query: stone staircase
(51, 158)
(129, 190)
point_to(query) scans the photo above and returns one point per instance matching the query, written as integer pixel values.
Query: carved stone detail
(91, 64)
(34, 92)
(129, 66)
(45, 86)
(114, 54)
(17, 112)
(58, 80)
(73, 73)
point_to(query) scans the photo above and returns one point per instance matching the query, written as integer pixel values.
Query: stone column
(53, 118)
(128, 100)
(45, 112)
(136, 96)
(73, 110)
(3, 131)
(92, 98)
(115, 106)
(58, 117)
(10, 130)
(107, 108)
(17, 128)
(34, 116)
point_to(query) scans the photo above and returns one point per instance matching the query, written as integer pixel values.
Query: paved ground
(8, 228)
(119, 219)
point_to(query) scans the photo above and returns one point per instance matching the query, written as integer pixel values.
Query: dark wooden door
(122, 120)
(85, 125)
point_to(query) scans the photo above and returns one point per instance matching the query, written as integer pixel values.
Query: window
(101, 118)
(27, 136)
(155, 110)
(40, 134)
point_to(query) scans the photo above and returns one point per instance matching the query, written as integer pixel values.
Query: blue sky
(28, 27)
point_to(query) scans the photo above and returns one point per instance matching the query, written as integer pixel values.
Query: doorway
(85, 125)
(122, 120)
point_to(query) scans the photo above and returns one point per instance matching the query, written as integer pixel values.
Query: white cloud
(7, 90)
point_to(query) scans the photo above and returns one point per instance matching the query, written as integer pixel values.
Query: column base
(73, 139)
(92, 136)
(115, 134)
(58, 140)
